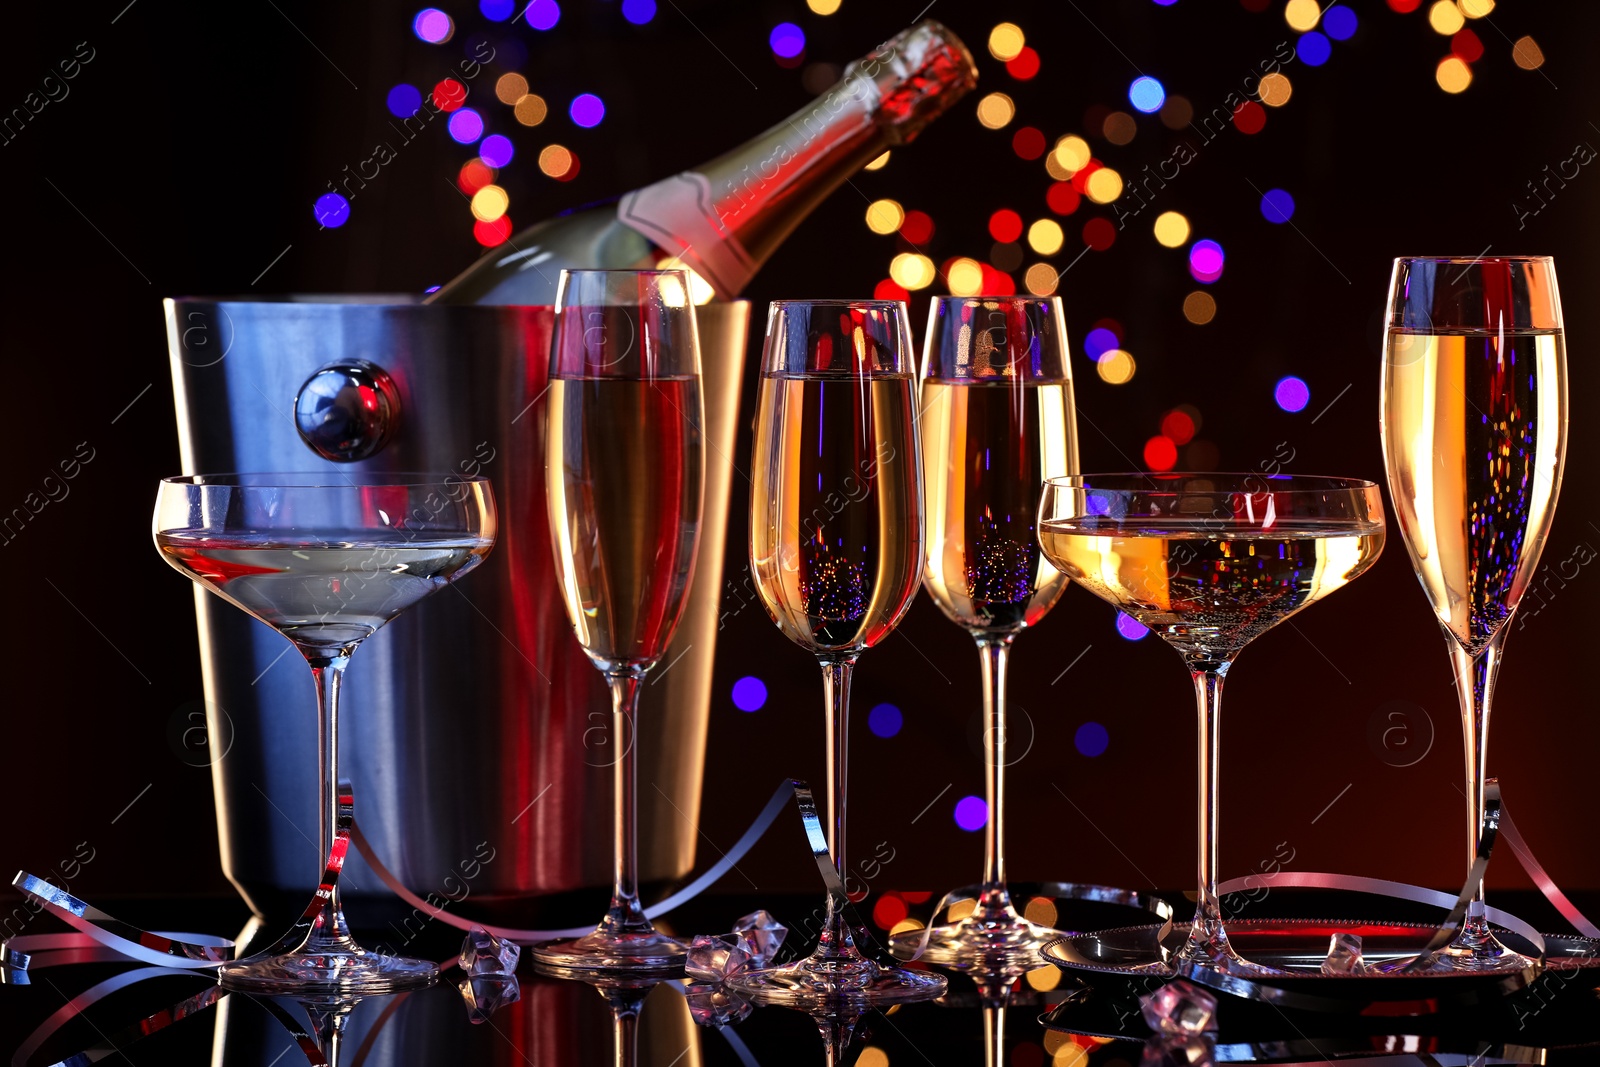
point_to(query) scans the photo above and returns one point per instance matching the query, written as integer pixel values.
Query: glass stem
(625, 1034)
(1475, 677)
(327, 670)
(624, 915)
(836, 940)
(994, 903)
(1207, 939)
(994, 1035)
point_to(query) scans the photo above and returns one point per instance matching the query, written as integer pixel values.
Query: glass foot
(1475, 949)
(605, 950)
(349, 970)
(823, 982)
(996, 943)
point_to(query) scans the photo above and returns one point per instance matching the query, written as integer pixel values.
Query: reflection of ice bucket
(474, 728)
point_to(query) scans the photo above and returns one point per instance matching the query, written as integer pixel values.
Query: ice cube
(713, 1004)
(484, 954)
(1180, 1008)
(713, 957)
(763, 937)
(486, 994)
(1344, 955)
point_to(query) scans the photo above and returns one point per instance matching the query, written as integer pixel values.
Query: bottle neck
(727, 217)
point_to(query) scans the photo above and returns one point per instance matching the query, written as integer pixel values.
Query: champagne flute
(625, 468)
(1210, 562)
(325, 560)
(835, 541)
(997, 420)
(1474, 436)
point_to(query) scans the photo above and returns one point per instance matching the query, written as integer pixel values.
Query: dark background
(191, 147)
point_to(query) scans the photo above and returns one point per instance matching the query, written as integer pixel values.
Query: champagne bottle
(725, 218)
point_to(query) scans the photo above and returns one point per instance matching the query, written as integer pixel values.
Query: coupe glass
(625, 463)
(1210, 562)
(325, 559)
(835, 546)
(996, 421)
(1474, 435)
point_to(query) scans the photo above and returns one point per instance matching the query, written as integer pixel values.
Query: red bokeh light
(449, 95)
(1466, 46)
(1080, 180)
(1250, 117)
(493, 233)
(1062, 198)
(1028, 142)
(1005, 225)
(889, 910)
(997, 282)
(1178, 427)
(1257, 6)
(1099, 234)
(1160, 454)
(1405, 7)
(889, 289)
(917, 227)
(475, 174)
(572, 169)
(1025, 65)
(916, 898)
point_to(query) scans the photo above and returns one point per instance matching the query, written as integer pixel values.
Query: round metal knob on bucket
(347, 411)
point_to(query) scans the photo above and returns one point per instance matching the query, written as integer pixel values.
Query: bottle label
(680, 215)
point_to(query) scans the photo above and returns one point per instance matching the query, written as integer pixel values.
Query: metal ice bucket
(473, 726)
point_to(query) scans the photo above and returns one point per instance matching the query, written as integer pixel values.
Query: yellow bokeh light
(1445, 17)
(489, 203)
(1119, 128)
(912, 270)
(1072, 153)
(995, 110)
(1042, 911)
(960, 910)
(1104, 185)
(1275, 90)
(823, 7)
(555, 160)
(885, 216)
(1041, 280)
(905, 926)
(1006, 41)
(1453, 74)
(700, 291)
(511, 88)
(879, 163)
(872, 1056)
(1302, 15)
(1476, 9)
(1199, 307)
(1044, 978)
(965, 277)
(1070, 1055)
(1115, 367)
(531, 109)
(1527, 54)
(1172, 229)
(1045, 237)
(1053, 167)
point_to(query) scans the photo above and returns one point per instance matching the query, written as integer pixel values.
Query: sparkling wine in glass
(836, 546)
(997, 421)
(1474, 435)
(624, 450)
(1210, 562)
(325, 559)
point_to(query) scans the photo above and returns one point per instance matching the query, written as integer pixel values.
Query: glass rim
(321, 480)
(1013, 298)
(865, 303)
(1474, 259)
(650, 272)
(1332, 483)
